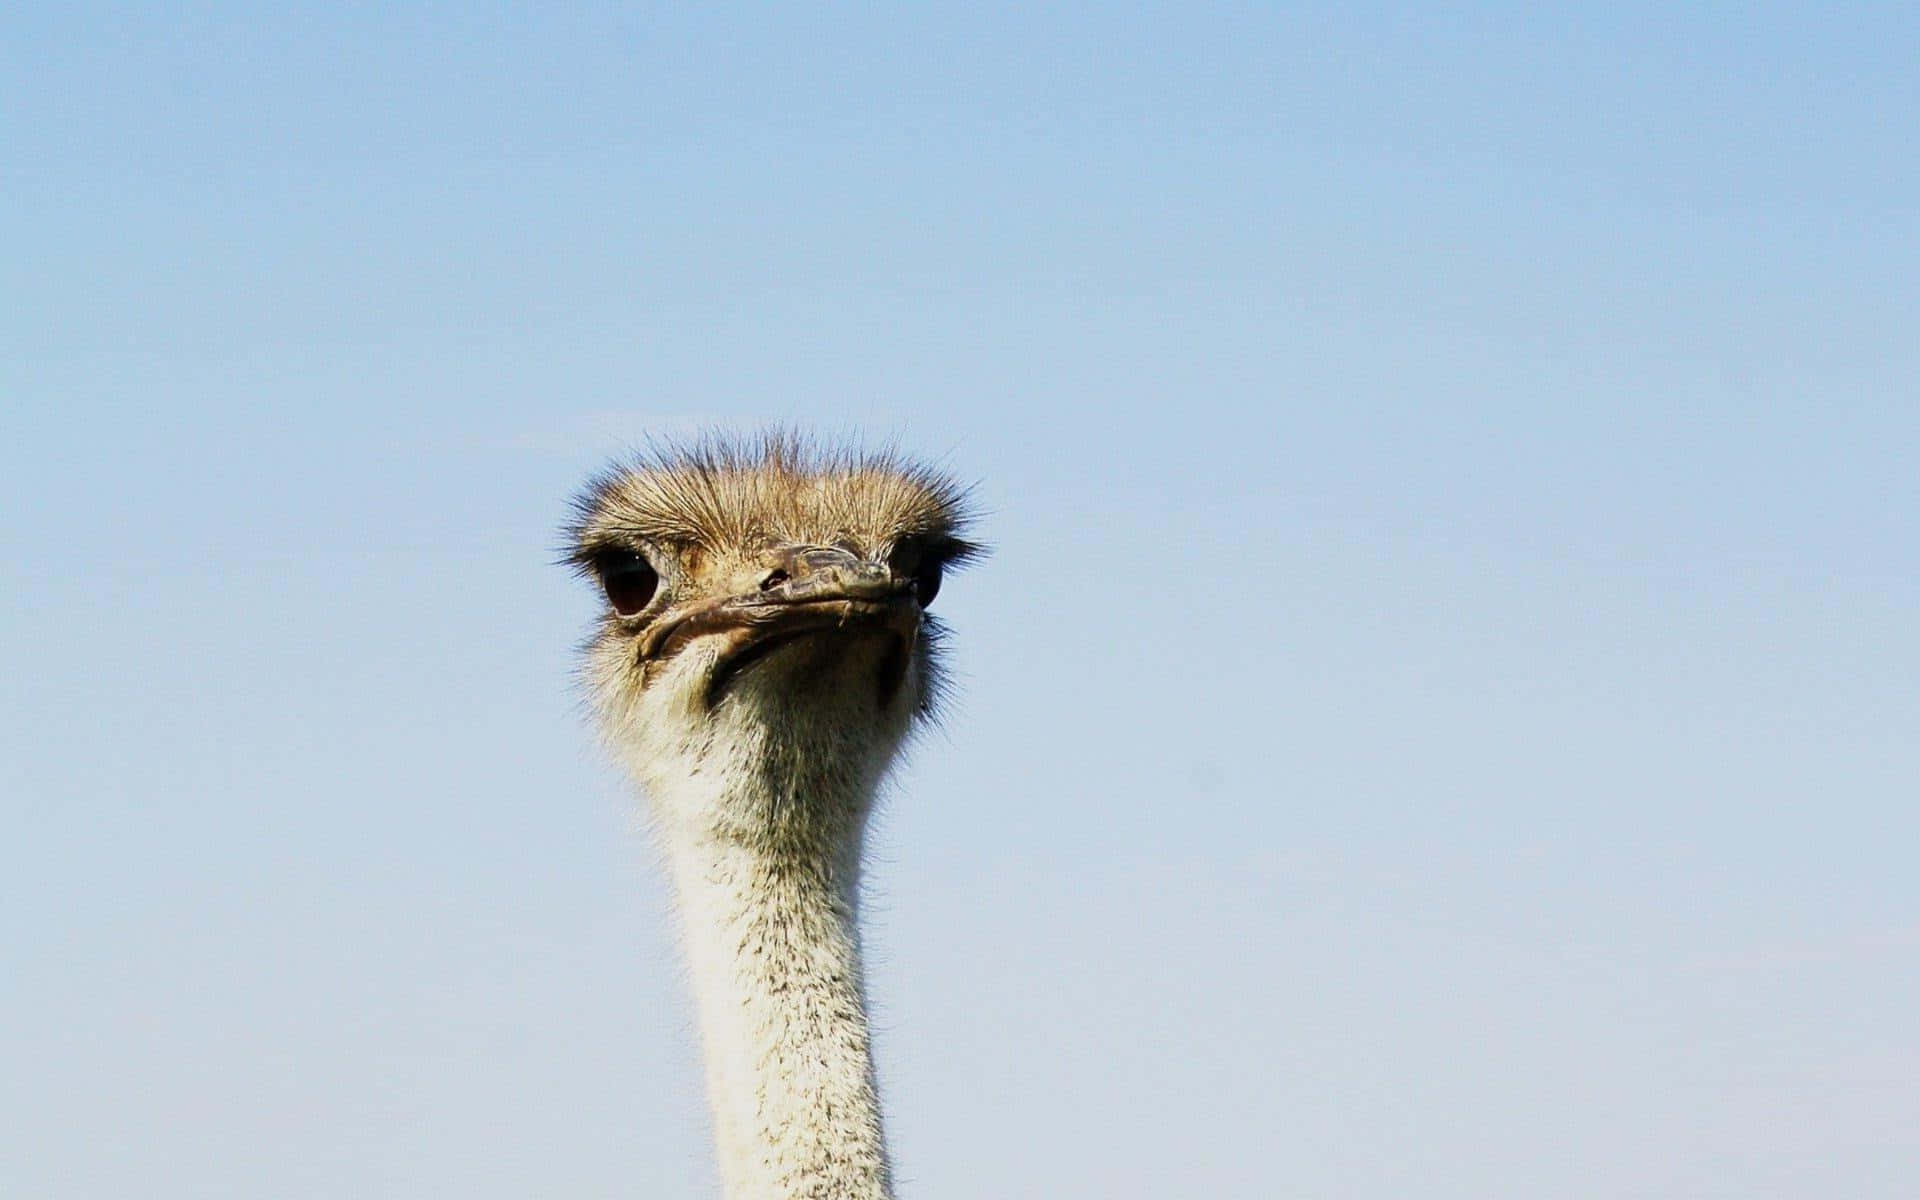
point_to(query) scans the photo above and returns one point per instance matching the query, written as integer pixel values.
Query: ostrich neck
(766, 866)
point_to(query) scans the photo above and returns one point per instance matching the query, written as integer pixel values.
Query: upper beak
(807, 573)
(808, 588)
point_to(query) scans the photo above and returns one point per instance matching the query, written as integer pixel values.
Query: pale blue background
(1440, 720)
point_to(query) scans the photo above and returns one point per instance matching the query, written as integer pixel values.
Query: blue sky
(1440, 714)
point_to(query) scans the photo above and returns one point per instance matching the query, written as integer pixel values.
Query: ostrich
(763, 653)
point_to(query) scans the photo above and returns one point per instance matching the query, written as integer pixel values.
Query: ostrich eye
(926, 582)
(630, 581)
(922, 562)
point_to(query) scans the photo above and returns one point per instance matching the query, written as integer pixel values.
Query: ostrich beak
(811, 590)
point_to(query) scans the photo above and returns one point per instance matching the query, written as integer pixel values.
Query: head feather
(723, 494)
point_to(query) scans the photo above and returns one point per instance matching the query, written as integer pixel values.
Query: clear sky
(1440, 719)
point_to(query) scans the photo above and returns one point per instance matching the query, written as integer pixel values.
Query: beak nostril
(774, 580)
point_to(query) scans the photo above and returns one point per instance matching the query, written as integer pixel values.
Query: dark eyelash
(949, 551)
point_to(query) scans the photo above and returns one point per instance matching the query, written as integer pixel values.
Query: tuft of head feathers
(723, 494)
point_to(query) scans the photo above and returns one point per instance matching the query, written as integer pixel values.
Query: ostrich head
(766, 613)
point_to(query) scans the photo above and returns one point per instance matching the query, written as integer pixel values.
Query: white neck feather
(765, 860)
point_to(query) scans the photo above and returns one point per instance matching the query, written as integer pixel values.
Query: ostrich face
(766, 603)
